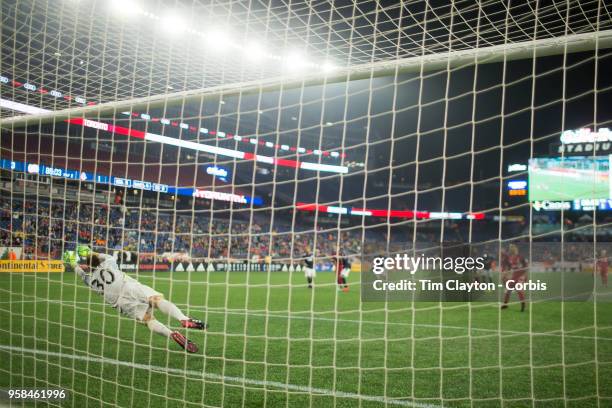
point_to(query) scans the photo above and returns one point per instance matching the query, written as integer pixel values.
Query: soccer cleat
(522, 306)
(504, 306)
(194, 324)
(182, 341)
(345, 289)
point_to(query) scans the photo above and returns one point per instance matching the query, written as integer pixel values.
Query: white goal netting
(215, 148)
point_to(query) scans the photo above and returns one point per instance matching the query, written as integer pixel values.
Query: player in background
(515, 265)
(489, 264)
(309, 269)
(602, 267)
(133, 299)
(505, 270)
(484, 275)
(343, 268)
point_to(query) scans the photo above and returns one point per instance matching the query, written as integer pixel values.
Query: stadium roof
(69, 54)
(101, 51)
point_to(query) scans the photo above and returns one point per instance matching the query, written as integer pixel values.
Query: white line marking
(432, 326)
(224, 378)
(296, 316)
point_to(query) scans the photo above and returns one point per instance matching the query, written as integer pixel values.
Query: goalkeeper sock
(156, 327)
(171, 310)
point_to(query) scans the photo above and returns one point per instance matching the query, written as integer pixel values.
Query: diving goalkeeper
(133, 299)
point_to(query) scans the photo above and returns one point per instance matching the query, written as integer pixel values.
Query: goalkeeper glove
(83, 251)
(70, 258)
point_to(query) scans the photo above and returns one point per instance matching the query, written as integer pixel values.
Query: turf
(273, 342)
(551, 185)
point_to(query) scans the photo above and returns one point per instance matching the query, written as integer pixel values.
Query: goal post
(267, 199)
(571, 43)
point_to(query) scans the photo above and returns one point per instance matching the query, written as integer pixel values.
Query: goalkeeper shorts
(134, 300)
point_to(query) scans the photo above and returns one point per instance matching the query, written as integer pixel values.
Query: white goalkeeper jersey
(107, 279)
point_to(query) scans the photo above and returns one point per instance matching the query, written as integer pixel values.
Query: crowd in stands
(47, 229)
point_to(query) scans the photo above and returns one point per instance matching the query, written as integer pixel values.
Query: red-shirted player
(504, 267)
(602, 267)
(343, 268)
(515, 265)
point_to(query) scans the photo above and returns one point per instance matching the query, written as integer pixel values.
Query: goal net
(250, 161)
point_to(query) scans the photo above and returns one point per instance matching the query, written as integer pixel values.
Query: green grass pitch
(548, 185)
(273, 342)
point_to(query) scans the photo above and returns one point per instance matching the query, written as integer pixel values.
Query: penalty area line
(304, 316)
(223, 378)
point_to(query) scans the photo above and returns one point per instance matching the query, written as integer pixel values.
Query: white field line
(300, 316)
(222, 378)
